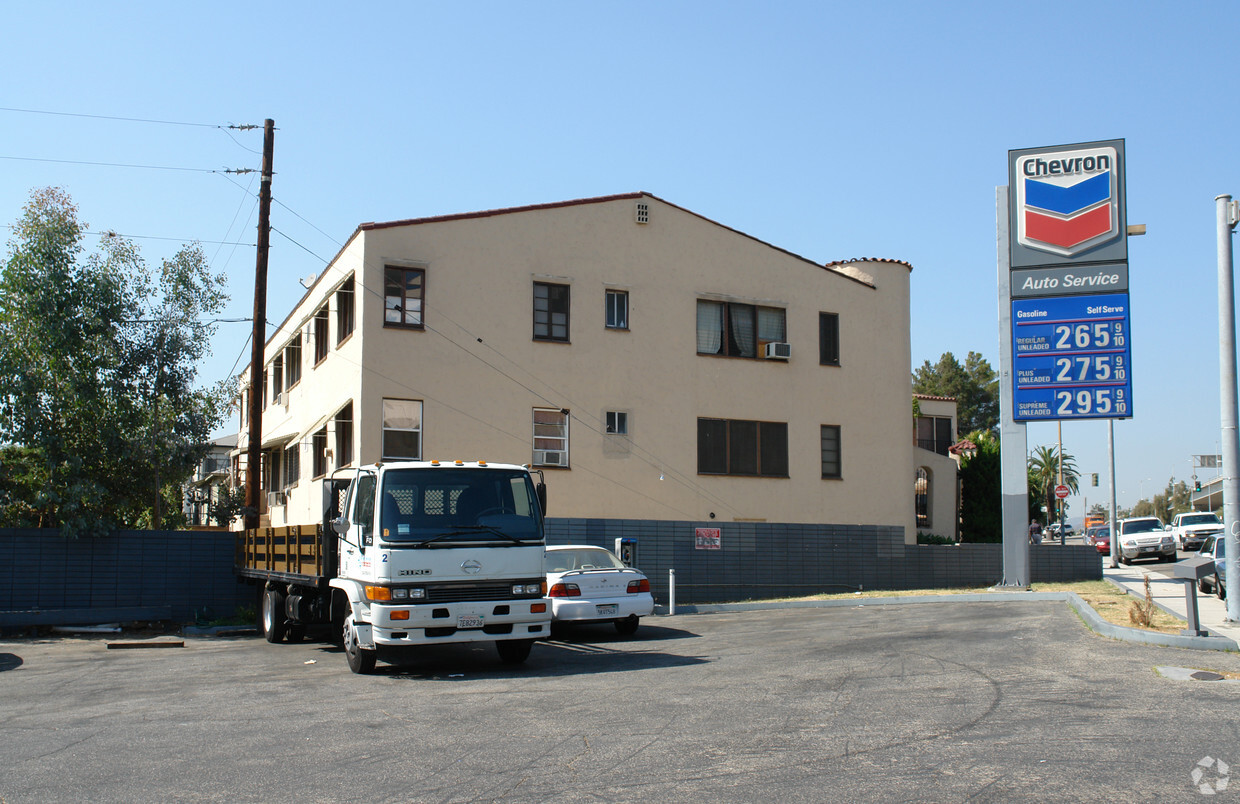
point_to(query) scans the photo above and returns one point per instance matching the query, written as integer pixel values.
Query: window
(737, 330)
(362, 506)
(831, 451)
(277, 376)
(921, 497)
(403, 294)
(934, 433)
(550, 437)
(402, 429)
(617, 422)
(265, 386)
(321, 344)
(319, 445)
(344, 310)
(739, 447)
(292, 465)
(344, 436)
(829, 339)
(292, 361)
(550, 312)
(617, 309)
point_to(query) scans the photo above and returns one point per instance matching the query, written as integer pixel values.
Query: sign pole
(1226, 216)
(1013, 440)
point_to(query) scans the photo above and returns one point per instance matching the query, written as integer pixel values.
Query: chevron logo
(1067, 201)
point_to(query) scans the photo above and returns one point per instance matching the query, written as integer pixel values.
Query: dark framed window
(550, 312)
(934, 433)
(344, 436)
(344, 310)
(292, 361)
(617, 422)
(404, 292)
(321, 343)
(550, 437)
(320, 453)
(402, 429)
(277, 374)
(831, 465)
(742, 447)
(292, 465)
(617, 316)
(734, 329)
(829, 339)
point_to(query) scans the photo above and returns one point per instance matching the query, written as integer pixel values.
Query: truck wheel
(360, 659)
(514, 651)
(273, 615)
(628, 625)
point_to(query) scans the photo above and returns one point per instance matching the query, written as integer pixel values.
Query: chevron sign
(1067, 201)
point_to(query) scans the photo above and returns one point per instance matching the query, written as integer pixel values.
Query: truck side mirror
(541, 491)
(340, 525)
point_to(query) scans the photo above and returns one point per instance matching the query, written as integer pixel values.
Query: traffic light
(1196, 485)
(1094, 479)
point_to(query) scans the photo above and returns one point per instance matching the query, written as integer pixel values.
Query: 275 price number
(1096, 368)
(1095, 335)
(1093, 402)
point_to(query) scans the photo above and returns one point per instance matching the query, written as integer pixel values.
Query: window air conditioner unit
(282, 399)
(275, 499)
(778, 351)
(548, 458)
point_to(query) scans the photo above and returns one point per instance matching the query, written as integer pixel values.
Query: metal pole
(254, 452)
(1060, 504)
(671, 591)
(1111, 519)
(1013, 440)
(1226, 212)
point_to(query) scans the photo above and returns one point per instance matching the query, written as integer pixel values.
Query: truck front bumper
(427, 624)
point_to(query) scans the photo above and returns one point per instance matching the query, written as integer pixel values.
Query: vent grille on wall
(643, 212)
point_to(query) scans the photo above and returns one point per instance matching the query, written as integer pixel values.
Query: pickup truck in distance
(1191, 528)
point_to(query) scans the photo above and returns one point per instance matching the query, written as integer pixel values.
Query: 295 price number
(1091, 402)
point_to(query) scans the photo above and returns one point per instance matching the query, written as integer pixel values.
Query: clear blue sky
(832, 130)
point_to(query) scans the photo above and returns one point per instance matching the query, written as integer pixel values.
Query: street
(935, 702)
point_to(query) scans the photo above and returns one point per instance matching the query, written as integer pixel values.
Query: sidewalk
(1168, 595)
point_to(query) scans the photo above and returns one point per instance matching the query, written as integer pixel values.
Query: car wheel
(628, 626)
(273, 615)
(1219, 588)
(360, 659)
(514, 651)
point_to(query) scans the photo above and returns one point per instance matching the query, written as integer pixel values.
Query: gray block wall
(757, 560)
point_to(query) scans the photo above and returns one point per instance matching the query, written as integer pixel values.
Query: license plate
(468, 622)
(1148, 549)
(607, 609)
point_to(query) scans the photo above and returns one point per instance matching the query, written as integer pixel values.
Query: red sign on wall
(708, 539)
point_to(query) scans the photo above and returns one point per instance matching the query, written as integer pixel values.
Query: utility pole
(254, 453)
(1227, 213)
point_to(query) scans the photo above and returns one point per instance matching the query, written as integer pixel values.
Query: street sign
(1062, 492)
(1073, 358)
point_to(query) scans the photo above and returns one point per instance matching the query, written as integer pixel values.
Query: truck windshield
(447, 505)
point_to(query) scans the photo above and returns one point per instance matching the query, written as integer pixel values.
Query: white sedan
(589, 584)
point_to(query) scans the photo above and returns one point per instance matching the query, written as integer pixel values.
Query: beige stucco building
(936, 471)
(655, 364)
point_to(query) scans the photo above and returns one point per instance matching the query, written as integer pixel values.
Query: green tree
(981, 498)
(98, 356)
(975, 387)
(1044, 476)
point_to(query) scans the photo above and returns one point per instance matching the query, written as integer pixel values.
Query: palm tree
(1044, 474)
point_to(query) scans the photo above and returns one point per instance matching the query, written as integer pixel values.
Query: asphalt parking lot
(941, 702)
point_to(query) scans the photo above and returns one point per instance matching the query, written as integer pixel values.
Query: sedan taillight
(638, 586)
(565, 590)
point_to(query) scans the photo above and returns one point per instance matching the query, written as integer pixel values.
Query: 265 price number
(1095, 335)
(1092, 402)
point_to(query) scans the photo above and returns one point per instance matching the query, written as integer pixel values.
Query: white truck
(1191, 528)
(419, 553)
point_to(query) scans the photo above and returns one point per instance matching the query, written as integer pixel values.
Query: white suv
(1191, 528)
(1144, 537)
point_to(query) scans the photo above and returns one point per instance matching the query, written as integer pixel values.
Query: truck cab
(435, 552)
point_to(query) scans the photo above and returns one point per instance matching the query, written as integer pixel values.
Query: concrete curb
(1086, 612)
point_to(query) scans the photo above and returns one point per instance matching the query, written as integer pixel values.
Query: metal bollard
(671, 591)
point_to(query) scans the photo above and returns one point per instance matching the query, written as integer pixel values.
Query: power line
(124, 165)
(243, 127)
(110, 233)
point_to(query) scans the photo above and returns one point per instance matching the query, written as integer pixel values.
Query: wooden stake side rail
(292, 550)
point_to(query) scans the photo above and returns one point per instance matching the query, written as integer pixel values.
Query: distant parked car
(1100, 537)
(1191, 528)
(1213, 550)
(1053, 529)
(1144, 537)
(589, 584)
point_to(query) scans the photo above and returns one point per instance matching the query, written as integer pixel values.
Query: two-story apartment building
(655, 364)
